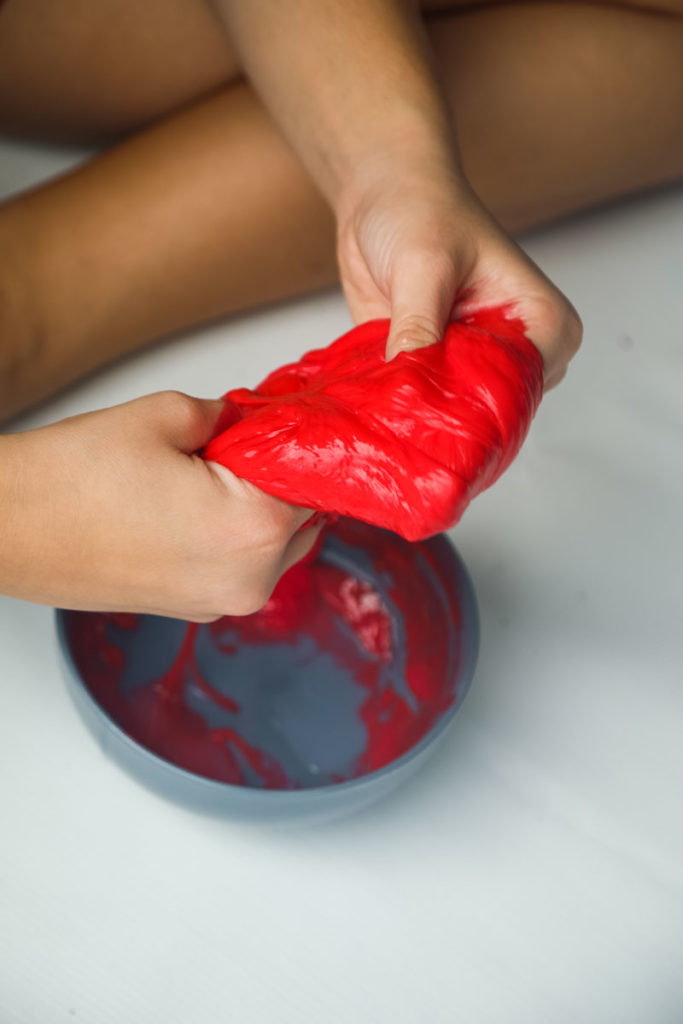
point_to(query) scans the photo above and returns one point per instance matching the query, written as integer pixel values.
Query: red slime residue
(310, 599)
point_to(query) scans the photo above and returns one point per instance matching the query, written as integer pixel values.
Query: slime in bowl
(319, 703)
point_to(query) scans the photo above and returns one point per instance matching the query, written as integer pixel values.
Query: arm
(351, 85)
(346, 80)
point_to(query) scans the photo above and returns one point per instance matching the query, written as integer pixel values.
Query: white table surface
(533, 872)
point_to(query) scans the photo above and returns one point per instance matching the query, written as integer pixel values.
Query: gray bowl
(244, 719)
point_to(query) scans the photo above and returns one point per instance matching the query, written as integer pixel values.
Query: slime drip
(350, 663)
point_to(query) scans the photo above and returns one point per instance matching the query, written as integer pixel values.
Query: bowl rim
(80, 693)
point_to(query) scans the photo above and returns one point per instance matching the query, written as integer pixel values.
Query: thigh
(95, 69)
(560, 106)
(83, 70)
(86, 69)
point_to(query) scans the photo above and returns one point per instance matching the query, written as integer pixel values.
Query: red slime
(404, 444)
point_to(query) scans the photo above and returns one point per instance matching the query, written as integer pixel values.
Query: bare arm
(346, 80)
(352, 85)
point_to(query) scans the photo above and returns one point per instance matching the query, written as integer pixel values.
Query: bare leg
(208, 212)
(562, 106)
(77, 70)
(203, 215)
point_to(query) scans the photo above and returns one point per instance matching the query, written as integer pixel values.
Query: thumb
(422, 296)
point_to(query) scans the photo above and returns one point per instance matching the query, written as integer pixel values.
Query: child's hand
(419, 247)
(112, 511)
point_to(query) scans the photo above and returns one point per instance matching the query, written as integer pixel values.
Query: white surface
(533, 872)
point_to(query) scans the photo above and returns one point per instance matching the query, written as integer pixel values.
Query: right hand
(114, 511)
(415, 244)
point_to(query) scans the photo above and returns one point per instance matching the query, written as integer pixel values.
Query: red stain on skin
(348, 620)
(404, 444)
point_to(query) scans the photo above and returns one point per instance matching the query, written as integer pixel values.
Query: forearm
(350, 83)
(13, 531)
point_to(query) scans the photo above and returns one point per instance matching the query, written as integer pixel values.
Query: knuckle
(248, 600)
(274, 536)
(555, 378)
(272, 529)
(179, 407)
(560, 326)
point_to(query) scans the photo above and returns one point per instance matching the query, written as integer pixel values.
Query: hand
(419, 247)
(113, 511)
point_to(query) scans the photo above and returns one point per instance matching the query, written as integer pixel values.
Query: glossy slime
(353, 660)
(406, 444)
(357, 654)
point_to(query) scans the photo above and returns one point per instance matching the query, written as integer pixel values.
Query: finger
(301, 544)
(422, 294)
(290, 517)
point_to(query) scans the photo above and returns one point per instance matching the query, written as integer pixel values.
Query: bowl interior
(361, 653)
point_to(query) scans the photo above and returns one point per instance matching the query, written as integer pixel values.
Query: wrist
(418, 169)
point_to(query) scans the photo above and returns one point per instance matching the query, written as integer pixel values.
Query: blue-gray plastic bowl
(276, 805)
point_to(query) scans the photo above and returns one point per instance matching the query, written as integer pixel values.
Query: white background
(533, 872)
